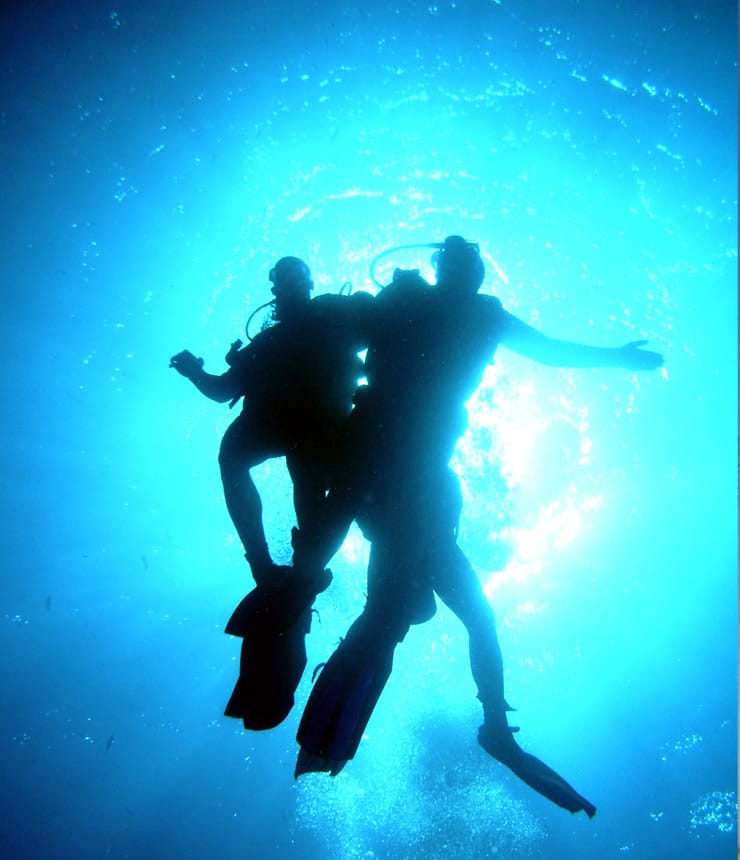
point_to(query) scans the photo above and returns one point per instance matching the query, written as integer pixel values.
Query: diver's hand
(186, 364)
(633, 357)
(231, 354)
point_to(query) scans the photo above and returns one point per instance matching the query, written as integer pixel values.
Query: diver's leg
(273, 651)
(240, 451)
(459, 587)
(314, 541)
(327, 470)
(350, 684)
(309, 489)
(348, 688)
(324, 504)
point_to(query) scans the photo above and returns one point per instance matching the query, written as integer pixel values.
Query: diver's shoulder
(334, 304)
(489, 308)
(257, 342)
(263, 343)
(340, 299)
(492, 304)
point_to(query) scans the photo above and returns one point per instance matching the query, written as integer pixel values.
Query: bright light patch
(513, 418)
(617, 84)
(558, 525)
(301, 214)
(517, 570)
(355, 549)
(524, 609)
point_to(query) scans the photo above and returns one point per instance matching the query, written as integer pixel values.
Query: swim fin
(341, 703)
(543, 779)
(273, 620)
(270, 669)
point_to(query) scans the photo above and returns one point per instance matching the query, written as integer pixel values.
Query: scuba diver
(297, 379)
(428, 349)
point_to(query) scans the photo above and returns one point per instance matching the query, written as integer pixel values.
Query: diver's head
(291, 286)
(459, 266)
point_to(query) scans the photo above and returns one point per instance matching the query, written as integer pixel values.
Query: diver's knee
(229, 465)
(234, 458)
(473, 613)
(380, 629)
(227, 451)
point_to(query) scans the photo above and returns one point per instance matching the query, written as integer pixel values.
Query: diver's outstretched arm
(527, 341)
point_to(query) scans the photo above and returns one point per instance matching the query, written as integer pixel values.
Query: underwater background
(157, 159)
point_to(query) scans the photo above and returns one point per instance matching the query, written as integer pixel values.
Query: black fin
(341, 704)
(534, 772)
(271, 668)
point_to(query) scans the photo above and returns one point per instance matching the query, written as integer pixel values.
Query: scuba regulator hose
(393, 250)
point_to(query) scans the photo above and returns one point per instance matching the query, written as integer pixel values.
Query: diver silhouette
(297, 379)
(428, 349)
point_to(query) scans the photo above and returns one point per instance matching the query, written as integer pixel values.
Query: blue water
(158, 157)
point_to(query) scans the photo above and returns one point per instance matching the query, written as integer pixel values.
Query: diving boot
(276, 605)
